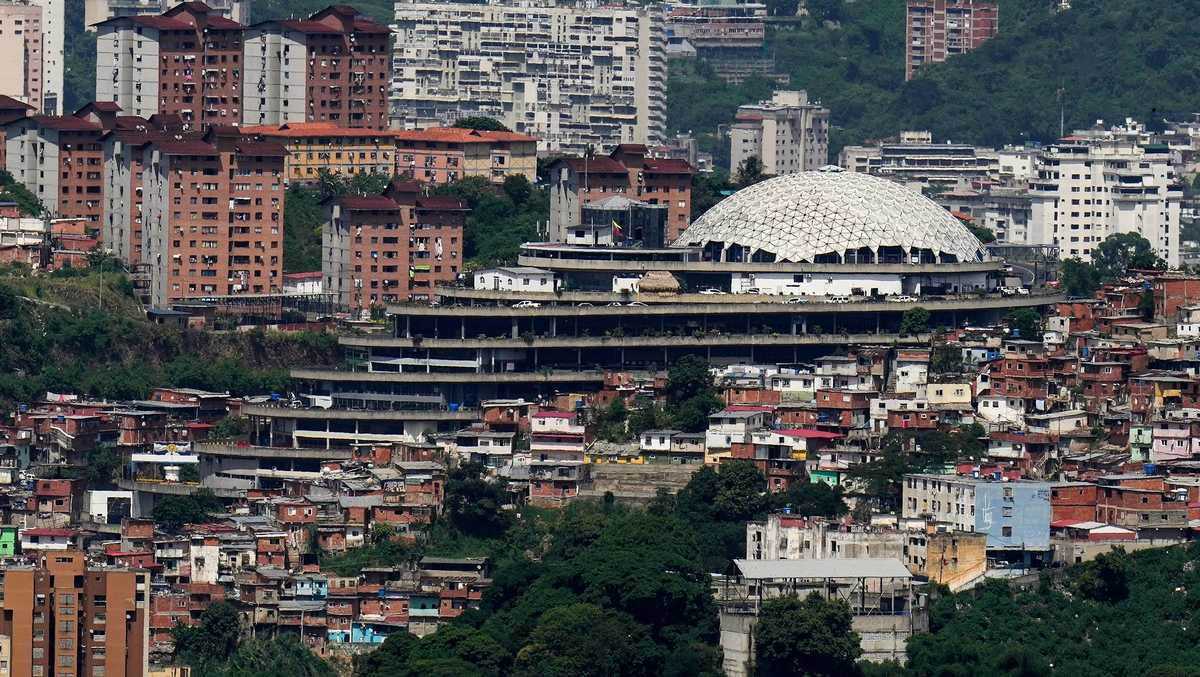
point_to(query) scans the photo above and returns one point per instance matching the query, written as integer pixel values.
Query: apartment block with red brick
(60, 158)
(121, 229)
(626, 172)
(659, 181)
(935, 30)
(185, 61)
(333, 66)
(63, 618)
(212, 213)
(391, 248)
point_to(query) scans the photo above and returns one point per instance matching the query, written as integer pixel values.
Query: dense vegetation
(1120, 615)
(851, 58)
(1113, 259)
(215, 647)
(81, 331)
(79, 59)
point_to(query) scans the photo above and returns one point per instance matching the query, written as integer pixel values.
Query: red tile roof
(666, 166)
(49, 533)
(186, 147)
(597, 165)
(461, 135)
(295, 130)
(441, 202)
(9, 103)
(367, 202)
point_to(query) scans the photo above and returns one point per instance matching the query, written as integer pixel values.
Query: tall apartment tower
(935, 30)
(391, 248)
(330, 67)
(571, 75)
(53, 36)
(212, 216)
(788, 134)
(21, 69)
(60, 158)
(1087, 189)
(62, 618)
(186, 61)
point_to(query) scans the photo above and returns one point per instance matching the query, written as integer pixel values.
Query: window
(1006, 532)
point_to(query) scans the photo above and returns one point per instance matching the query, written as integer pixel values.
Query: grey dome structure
(831, 216)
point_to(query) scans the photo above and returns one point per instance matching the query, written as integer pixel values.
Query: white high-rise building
(1088, 187)
(570, 75)
(53, 20)
(788, 134)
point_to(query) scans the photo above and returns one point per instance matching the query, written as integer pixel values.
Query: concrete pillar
(516, 330)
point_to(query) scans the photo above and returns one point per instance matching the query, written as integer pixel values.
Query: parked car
(753, 290)
(711, 291)
(795, 300)
(637, 303)
(614, 304)
(585, 304)
(527, 304)
(837, 299)
(901, 298)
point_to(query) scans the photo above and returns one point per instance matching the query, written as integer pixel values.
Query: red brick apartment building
(627, 172)
(212, 216)
(392, 247)
(186, 61)
(64, 619)
(124, 149)
(331, 67)
(935, 30)
(60, 158)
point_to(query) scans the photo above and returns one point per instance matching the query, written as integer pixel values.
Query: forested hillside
(83, 332)
(1111, 58)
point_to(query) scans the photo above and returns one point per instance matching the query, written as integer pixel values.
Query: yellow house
(313, 146)
(446, 154)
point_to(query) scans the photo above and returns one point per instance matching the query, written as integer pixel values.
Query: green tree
(749, 172)
(914, 321)
(585, 640)
(283, 655)
(1146, 304)
(691, 394)
(812, 636)
(474, 504)
(945, 358)
(812, 498)
(27, 202)
(103, 466)
(230, 427)
(1106, 578)
(481, 123)
(981, 233)
(303, 217)
(1120, 252)
(172, 512)
(210, 642)
(1026, 323)
(1077, 278)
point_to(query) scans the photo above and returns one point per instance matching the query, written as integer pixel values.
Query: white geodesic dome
(799, 217)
